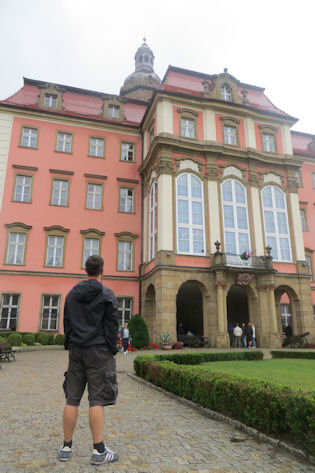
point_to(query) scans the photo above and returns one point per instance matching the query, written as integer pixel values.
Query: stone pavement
(152, 432)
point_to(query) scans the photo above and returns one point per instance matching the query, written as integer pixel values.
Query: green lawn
(298, 374)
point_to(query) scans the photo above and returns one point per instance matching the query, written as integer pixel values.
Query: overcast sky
(91, 44)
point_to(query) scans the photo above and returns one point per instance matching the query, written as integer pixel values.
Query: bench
(6, 352)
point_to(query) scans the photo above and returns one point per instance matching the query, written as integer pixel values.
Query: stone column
(222, 340)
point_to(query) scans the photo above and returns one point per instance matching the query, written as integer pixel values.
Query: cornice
(50, 274)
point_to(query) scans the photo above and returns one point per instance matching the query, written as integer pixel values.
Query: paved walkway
(152, 432)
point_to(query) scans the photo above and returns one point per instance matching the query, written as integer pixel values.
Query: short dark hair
(94, 265)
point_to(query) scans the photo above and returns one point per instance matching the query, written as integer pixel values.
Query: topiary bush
(51, 339)
(29, 339)
(42, 338)
(15, 339)
(138, 331)
(60, 339)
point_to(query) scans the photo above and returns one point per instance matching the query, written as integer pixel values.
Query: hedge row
(293, 354)
(258, 404)
(16, 339)
(197, 358)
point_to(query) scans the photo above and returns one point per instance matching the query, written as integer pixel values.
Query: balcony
(229, 260)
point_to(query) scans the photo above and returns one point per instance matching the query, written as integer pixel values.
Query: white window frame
(236, 229)
(124, 312)
(64, 142)
(24, 184)
(94, 196)
(16, 248)
(51, 310)
(268, 141)
(313, 179)
(230, 136)
(55, 249)
(308, 261)
(286, 315)
(187, 127)
(113, 111)
(303, 219)
(125, 255)
(50, 100)
(276, 234)
(127, 152)
(10, 306)
(226, 93)
(152, 220)
(97, 147)
(190, 227)
(29, 137)
(60, 193)
(126, 199)
(91, 247)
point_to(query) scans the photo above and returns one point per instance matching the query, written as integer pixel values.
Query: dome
(143, 81)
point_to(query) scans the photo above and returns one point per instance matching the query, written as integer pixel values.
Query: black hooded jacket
(91, 316)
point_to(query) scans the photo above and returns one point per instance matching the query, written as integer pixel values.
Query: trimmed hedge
(60, 339)
(293, 354)
(29, 339)
(15, 339)
(197, 358)
(262, 405)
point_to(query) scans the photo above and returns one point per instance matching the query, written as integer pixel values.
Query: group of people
(242, 336)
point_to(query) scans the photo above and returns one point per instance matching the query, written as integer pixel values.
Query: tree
(138, 331)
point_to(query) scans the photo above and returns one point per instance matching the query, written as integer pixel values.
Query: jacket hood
(85, 291)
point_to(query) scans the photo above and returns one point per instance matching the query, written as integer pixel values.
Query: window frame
(90, 234)
(116, 108)
(274, 210)
(303, 217)
(133, 151)
(51, 89)
(25, 175)
(309, 257)
(10, 306)
(28, 127)
(125, 237)
(226, 91)
(187, 114)
(93, 137)
(21, 229)
(54, 179)
(190, 226)
(101, 185)
(52, 97)
(61, 132)
(55, 231)
(271, 131)
(49, 329)
(127, 188)
(122, 319)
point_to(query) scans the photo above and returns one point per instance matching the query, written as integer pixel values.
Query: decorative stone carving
(211, 170)
(271, 177)
(189, 164)
(243, 279)
(165, 165)
(232, 170)
(244, 93)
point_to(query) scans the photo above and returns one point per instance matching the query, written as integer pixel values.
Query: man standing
(237, 332)
(90, 327)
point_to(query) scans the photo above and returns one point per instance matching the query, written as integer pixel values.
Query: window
(9, 311)
(235, 218)
(124, 310)
(23, 186)
(50, 101)
(308, 261)
(190, 215)
(16, 248)
(313, 179)
(64, 142)
(126, 200)
(303, 220)
(94, 196)
(187, 127)
(152, 220)
(298, 178)
(276, 223)
(96, 147)
(286, 318)
(113, 111)
(60, 193)
(226, 93)
(29, 137)
(125, 250)
(91, 247)
(50, 312)
(268, 142)
(127, 152)
(230, 135)
(55, 251)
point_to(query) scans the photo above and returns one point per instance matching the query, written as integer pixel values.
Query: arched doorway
(237, 305)
(288, 310)
(189, 309)
(149, 311)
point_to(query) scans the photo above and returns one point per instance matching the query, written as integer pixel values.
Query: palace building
(193, 188)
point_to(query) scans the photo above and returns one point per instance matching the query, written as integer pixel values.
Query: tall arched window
(152, 220)
(235, 219)
(190, 215)
(276, 223)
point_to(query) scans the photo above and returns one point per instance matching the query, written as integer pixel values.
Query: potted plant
(166, 343)
(178, 345)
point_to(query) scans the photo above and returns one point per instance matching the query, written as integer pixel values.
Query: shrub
(5, 335)
(42, 338)
(15, 339)
(51, 339)
(138, 331)
(29, 339)
(264, 406)
(293, 354)
(60, 339)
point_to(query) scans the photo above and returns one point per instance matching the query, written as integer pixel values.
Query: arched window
(226, 93)
(152, 220)
(140, 59)
(235, 219)
(276, 223)
(190, 215)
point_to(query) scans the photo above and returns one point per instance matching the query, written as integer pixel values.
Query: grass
(298, 374)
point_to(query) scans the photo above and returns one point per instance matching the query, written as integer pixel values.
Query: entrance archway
(189, 309)
(237, 305)
(288, 309)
